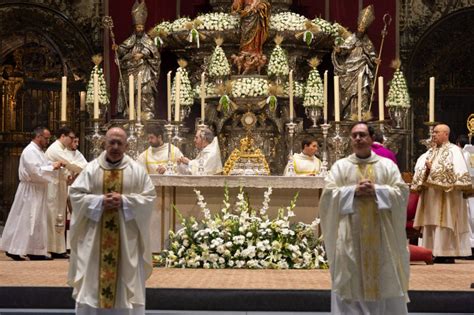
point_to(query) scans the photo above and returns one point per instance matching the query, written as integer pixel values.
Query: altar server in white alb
(58, 191)
(208, 159)
(25, 231)
(77, 157)
(306, 163)
(363, 215)
(155, 158)
(112, 200)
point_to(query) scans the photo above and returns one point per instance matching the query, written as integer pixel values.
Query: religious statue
(138, 55)
(254, 24)
(353, 57)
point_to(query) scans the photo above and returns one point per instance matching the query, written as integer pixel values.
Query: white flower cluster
(218, 21)
(103, 93)
(249, 87)
(210, 90)
(313, 94)
(330, 29)
(164, 26)
(218, 63)
(241, 237)
(287, 21)
(298, 89)
(398, 91)
(186, 90)
(179, 24)
(278, 64)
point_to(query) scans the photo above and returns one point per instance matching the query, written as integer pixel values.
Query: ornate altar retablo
(248, 160)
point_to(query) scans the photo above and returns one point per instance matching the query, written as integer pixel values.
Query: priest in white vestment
(58, 191)
(208, 161)
(25, 231)
(112, 201)
(155, 157)
(306, 163)
(363, 216)
(441, 175)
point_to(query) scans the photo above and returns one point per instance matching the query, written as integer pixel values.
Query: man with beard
(138, 55)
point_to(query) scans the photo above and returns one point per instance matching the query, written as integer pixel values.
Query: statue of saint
(139, 55)
(356, 55)
(254, 24)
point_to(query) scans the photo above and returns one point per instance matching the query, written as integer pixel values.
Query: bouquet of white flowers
(330, 29)
(218, 21)
(242, 237)
(210, 90)
(186, 90)
(287, 21)
(313, 94)
(398, 91)
(103, 93)
(249, 87)
(278, 64)
(298, 89)
(218, 64)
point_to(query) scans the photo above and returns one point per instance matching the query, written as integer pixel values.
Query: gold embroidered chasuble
(151, 158)
(305, 165)
(365, 237)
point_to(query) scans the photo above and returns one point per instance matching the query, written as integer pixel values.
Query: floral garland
(218, 63)
(241, 237)
(218, 21)
(103, 93)
(186, 90)
(287, 21)
(313, 94)
(278, 64)
(249, 87)
(398, 91)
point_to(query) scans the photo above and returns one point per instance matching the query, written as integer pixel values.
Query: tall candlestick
(359, 97)
(381, 107)
(139, 97)
(177, 98)
(337, 114)
(203, 97)
(325, 97)
(290, 94)
(63, 98)
(96, 96)
(82, 101)
(432, 99)
(131, 97)
(168, 90)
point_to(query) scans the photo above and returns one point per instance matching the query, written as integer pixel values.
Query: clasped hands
(365, 188)
(58, 164)
(183, 160)
(112, 200)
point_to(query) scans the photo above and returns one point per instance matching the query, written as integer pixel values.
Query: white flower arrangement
(103, 93)
(298, 89)
(313, 93)
(218, 64)
(329, 29)
(186, 90)
(164, 26)
(179, 24)
(210, 90)
(242, 237)
(249, 87)
(287, 21)
(398, 91)
(218, 21)
(278, 64)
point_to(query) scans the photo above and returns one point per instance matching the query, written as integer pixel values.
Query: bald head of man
(115, 144)
(441, 134)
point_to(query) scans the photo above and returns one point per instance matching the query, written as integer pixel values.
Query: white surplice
(369, 263)
(304, 165)
(78, 159)
(151, 158)
(441, 211)
(135, 262)
(468, 152)
(57, 196)
(210, 157)
(26, 228)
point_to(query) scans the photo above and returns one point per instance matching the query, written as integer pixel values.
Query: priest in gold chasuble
(363, 215)
(112, 201)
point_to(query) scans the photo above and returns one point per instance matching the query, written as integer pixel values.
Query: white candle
(168, 90)
(432, 99)
(325, 95)
(96, 96)
(177, 98)
(359, 97)
(82, 101)
(139, 97)
(381, 107)
(131, 96)
(63, 98)
(337, 114)
(290, 94)
(203, 97)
